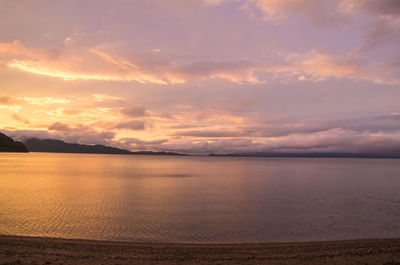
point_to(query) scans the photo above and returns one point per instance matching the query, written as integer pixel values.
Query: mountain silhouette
(7, 144)
(58, 146)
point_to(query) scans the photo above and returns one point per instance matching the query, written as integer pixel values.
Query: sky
(203, 76)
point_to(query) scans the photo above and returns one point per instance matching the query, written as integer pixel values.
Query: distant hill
(7, 144)
(58, 146)
(338, 155)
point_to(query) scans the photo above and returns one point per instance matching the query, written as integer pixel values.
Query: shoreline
(360, 156)
(42, 250)
(140, 242)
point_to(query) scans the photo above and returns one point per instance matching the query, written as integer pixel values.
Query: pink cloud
(134, 125)
(313, 66)
(135, 111)
(58, 126)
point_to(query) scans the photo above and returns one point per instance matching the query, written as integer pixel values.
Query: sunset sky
(203, 76)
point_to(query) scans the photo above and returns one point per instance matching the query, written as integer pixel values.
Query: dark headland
(7, 144)
(58, 146)
(30, 250)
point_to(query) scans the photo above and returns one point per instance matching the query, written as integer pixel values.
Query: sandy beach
(33, 250)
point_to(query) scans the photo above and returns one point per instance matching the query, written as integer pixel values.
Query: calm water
(198, 199)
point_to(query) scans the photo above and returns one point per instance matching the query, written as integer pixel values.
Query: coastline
(39, 250)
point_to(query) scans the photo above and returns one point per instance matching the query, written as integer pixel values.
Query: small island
(7, 144)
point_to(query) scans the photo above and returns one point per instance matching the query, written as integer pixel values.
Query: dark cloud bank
(369, 135)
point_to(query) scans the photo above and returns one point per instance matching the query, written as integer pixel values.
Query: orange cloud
(317, 66)
(93, 64)
(7, 101)
(277, 10)
(20, 118)
(78, 64)
(96, 64)
(103, 97)
(53, 71)
(44, 100)
(16, 48)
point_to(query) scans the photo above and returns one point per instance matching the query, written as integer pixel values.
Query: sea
(198, 199)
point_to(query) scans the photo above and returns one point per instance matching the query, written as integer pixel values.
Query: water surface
(198, 199)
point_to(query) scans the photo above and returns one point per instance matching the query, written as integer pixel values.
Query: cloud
(379, 8)
(337, 140)
(388, 123)
(363, 134)
(277, 10)
(140, 145)
(44, 100)
(213, 2)
(197, 2)
(341, 141)
(104, 97)
(10, 108)
(20, 118)
(135, 111)
(317, 66)
(330, 141)
(58, 126)
(106, 101)
(290, 127)
(383, 26)
(214, 133)
(39, 68)
(380, 33)
(71, 111)
(134, 125)
(96, 64)
(74, 64)
(25, 134)
(276, 131)
(312, 66)
(168, 116)
(80, 134)
(17, 48)
(7, 101)
(324, 12)
(319, 12)
(242, 71)
(381, 19)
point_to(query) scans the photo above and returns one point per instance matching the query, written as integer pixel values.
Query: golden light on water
(196, 199)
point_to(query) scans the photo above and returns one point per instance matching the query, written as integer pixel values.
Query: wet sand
(32, 250)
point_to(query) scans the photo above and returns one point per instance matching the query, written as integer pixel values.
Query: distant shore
(36, 250)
